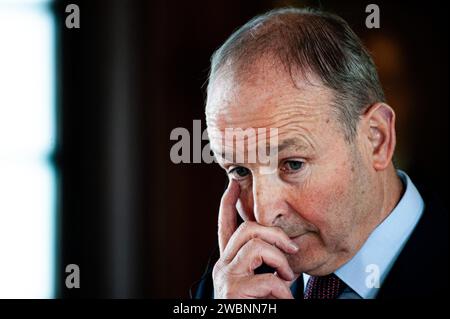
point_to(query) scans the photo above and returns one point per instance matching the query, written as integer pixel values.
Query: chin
(311, 260)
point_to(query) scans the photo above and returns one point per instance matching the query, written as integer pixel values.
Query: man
(334, 219)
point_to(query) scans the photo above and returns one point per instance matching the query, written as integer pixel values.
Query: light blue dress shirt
(365, 272)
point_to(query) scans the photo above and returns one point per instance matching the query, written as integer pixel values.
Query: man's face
(322, 192)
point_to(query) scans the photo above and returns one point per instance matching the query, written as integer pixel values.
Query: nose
(269, 203)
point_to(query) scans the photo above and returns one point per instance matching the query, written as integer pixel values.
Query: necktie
(325, 287)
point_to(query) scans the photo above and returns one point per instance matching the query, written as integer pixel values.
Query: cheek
(324, 206)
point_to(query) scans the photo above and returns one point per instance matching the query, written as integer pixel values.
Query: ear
(379, 129)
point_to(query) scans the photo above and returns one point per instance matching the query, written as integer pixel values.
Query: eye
(292, 166)
(239, 172)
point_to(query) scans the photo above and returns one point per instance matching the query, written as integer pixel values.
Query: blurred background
(85, 121)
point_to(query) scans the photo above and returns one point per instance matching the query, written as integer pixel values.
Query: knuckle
(223, 271)
(217, 269)
(222, 290)
(248, 226)
(256, 262)
(255, 244)
(243, 227)
(224, 285)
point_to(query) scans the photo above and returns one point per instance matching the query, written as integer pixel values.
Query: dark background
(139, 225)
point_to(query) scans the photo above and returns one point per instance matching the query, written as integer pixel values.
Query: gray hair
(310, 42)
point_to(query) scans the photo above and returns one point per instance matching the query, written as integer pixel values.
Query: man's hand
(245, 248)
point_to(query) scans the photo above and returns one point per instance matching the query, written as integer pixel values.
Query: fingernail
(293, 245)
(292, 275)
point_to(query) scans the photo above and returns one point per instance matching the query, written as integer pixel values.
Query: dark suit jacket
(420, 271)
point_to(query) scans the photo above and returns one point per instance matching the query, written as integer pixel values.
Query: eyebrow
(299, 144)
(290, 142)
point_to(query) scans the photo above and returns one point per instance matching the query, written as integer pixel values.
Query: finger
(249, 230)
(289, 282)
(228, 214)
(256, 252)
(266, 286)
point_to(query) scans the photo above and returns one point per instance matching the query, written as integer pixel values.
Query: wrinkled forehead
(262, 110)
(236, 141)
(256, 145)
(267, 107)
(250, 146)
(236, 99)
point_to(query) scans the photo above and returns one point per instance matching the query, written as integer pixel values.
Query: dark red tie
(325, 287)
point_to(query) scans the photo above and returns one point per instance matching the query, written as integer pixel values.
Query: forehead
(266, 98)
(266, 145)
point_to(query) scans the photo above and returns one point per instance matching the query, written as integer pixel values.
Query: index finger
(228, 214)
